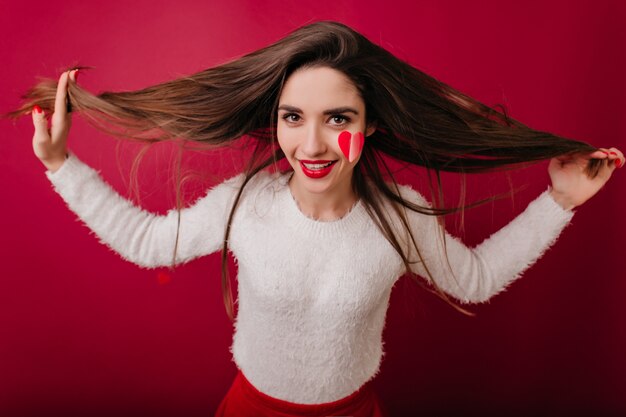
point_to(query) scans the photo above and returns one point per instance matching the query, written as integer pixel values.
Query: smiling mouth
(317, 164)
(316, 169)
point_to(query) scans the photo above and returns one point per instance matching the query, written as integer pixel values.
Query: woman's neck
(327, 206)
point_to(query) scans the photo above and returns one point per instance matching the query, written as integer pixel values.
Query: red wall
(83, 332)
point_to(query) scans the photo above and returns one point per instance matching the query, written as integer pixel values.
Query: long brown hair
(420, 121)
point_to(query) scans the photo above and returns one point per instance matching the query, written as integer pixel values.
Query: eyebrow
(336, 110)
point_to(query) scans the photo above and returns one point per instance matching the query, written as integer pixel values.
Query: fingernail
(76, 76)
(618, 163)
(613, 153)
(37, 109)
(606, 153)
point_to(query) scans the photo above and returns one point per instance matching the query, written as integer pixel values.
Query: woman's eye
(291, 117)
(339, 119)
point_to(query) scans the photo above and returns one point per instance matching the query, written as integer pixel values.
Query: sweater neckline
(356, 217)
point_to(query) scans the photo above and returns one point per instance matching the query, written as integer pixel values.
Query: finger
(60, 105)
(74, 75)
(41, 137)
(599, 154)
(41, 126)
(604, 150)
(614, 153)
(617, 157)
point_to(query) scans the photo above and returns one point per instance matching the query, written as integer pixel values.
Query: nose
(314, 144)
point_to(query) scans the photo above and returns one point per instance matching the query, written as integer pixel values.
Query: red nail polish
(76, 76)
(618, 163)
(613, 153)
(37, 109)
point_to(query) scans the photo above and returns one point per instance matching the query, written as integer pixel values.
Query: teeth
(317, 166)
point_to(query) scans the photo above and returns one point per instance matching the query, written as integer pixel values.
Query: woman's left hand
(571, 186)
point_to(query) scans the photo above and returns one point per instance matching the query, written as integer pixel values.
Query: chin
(319, 185)
(314, 185)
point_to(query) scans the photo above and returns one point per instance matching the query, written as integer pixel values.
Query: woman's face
(316, 105)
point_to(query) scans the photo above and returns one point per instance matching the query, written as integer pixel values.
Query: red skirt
(244, 400)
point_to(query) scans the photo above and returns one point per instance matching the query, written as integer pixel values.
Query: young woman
(320, 244)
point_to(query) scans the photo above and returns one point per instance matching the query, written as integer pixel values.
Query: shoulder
(223, 195)
(409, 193)
(262, 186)
(263, 181)
(259, 181)
(406, 192)
(412, 213)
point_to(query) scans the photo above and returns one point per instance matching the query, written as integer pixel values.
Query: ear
(371, 128)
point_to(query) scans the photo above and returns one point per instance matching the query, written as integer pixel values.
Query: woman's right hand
(50, 145)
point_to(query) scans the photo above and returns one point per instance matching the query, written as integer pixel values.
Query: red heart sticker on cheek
(344, 140)
(351, 145)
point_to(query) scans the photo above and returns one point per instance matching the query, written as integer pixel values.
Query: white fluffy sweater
(312, 294)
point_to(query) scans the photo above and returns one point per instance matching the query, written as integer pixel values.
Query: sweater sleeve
(480, 273)
(137, 235)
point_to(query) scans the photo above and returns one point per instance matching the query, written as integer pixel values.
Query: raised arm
(488, 268)
(137, 235)
(483, 271)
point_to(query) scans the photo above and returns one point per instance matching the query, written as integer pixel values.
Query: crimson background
(85, 333)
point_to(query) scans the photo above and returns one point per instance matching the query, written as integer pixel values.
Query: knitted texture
(313, 295)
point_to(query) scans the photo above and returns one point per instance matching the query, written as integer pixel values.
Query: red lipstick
(316, 169)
